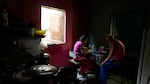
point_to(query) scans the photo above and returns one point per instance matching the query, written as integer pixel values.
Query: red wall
(29, 10)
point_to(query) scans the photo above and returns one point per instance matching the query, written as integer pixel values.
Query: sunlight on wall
(53, 20)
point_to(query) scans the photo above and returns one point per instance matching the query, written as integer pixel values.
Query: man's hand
(102, 63)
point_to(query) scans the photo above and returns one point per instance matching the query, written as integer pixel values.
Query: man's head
(109, 38)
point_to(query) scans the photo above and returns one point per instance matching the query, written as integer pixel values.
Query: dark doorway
(127, 27)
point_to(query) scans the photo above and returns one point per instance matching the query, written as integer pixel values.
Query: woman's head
(84, 38)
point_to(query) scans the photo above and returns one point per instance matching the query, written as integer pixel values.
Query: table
(98, 57)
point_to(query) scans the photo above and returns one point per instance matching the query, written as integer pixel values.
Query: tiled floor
(114, 79)
(67, 76)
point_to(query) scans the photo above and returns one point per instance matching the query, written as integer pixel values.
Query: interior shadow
(128, 27)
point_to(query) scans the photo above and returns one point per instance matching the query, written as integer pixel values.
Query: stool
(77, 65)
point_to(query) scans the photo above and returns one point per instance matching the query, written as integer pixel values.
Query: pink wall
(29, 10)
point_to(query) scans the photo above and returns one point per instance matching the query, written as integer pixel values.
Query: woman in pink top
(82, 52)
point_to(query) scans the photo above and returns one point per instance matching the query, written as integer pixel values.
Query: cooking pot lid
(44, 69)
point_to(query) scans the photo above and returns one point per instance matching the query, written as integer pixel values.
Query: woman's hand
(85, 50)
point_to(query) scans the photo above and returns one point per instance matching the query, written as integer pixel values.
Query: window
(53, 20)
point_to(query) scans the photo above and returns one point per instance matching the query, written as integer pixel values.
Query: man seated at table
(115, 57)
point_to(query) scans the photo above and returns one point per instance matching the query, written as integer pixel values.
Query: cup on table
(100, 49)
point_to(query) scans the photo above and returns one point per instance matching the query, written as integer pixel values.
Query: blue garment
(103, 69)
